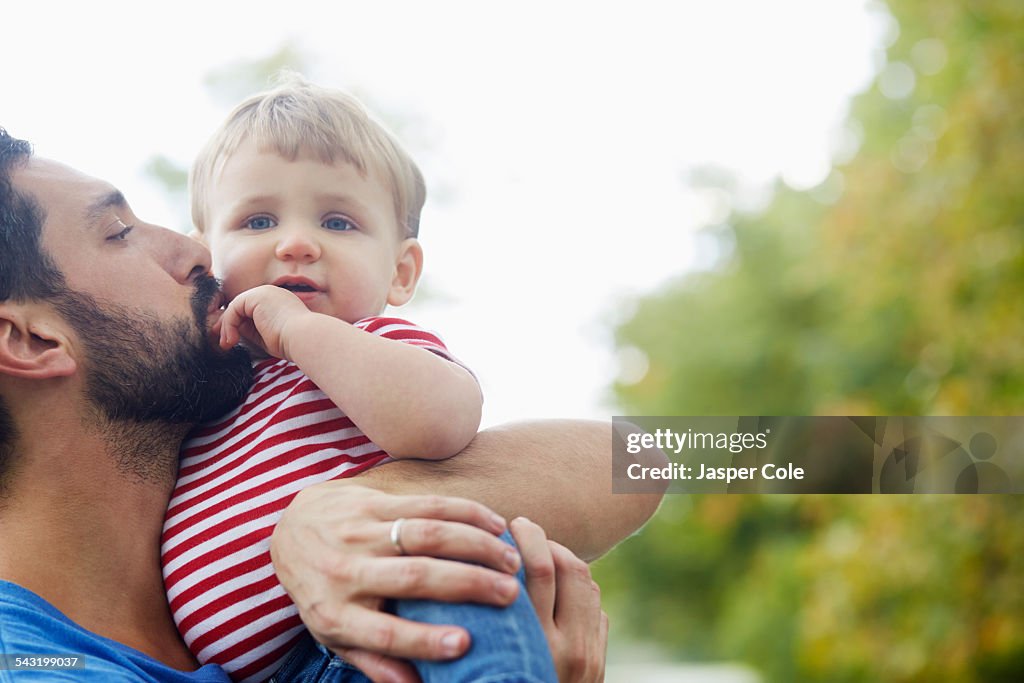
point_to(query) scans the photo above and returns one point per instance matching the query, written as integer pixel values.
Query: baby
(311, 210)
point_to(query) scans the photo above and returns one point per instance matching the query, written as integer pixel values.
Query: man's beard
(149, 379)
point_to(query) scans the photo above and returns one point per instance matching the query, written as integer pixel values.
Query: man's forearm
(556, 472)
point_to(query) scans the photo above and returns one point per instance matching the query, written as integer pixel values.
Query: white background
(556, 138)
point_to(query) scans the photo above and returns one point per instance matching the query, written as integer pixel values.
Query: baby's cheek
(221, 258)
(237, 270)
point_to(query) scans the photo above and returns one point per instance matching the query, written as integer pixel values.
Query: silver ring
(396, 535)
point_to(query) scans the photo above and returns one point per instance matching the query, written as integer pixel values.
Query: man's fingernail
(506, 588)
(498, 521)
(451, 643)
(512, 559)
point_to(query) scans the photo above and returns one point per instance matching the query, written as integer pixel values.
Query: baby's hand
(259, 315)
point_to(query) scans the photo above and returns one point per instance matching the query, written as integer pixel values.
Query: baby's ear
(408, 266)
(198, 237)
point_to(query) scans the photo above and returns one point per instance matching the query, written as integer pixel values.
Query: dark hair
(26, 270)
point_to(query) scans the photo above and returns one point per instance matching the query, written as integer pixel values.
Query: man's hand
(332, 552)
(259, 316)
(568, 603)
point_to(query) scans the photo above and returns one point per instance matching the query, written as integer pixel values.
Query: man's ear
(408, 266)
(33, 343)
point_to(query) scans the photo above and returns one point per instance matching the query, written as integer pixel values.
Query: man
(105, 363)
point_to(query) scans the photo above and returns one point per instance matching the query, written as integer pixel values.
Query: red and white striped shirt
(236, 477)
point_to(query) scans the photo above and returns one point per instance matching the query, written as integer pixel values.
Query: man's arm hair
(557, 473)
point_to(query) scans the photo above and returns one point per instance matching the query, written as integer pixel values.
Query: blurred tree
(232, 83)
(895, 287)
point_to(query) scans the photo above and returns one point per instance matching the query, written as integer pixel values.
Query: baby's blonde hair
(296, 117)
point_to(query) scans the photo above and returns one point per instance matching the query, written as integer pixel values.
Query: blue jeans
(508, 646)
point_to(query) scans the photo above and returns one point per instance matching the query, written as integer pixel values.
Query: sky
(557, 139)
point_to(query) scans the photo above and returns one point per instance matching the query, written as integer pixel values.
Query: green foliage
(902, 296)
(167, 173)
(830, 588)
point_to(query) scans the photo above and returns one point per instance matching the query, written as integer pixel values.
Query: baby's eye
(339, 223)
(260, 223)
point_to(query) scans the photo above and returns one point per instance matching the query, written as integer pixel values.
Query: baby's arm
(409, 401)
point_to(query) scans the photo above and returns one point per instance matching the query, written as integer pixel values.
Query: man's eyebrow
(98, 208)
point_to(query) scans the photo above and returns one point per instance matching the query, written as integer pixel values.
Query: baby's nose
(298, 245)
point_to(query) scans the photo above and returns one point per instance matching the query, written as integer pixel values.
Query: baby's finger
(229, 322)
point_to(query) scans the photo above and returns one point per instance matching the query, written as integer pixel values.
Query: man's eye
(260, 223)
(338, 223)
(122, 235)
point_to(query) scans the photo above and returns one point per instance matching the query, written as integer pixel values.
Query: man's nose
(297, 245)
(182, 257)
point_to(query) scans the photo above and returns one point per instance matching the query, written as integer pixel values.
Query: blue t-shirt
(32, 627)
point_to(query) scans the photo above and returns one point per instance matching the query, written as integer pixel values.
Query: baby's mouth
(297, 287)
(297, 284)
